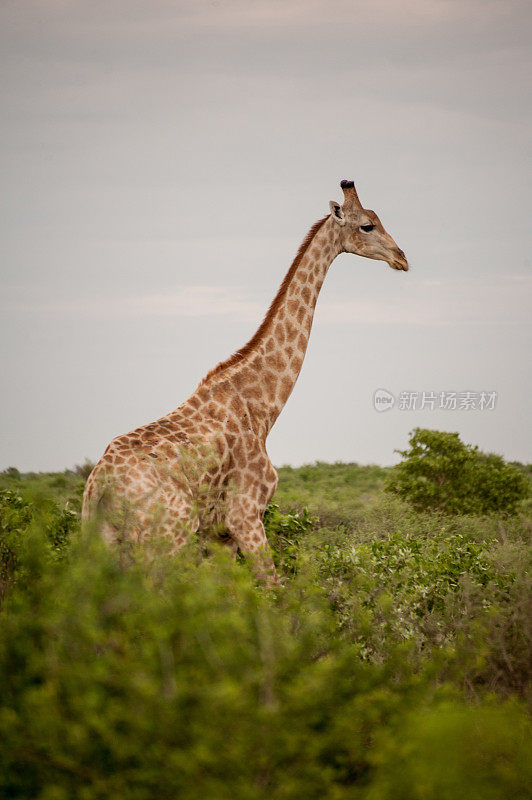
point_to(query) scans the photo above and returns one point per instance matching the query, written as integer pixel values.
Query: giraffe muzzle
(399, 261)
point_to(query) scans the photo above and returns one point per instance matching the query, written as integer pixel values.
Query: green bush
(457, 590)
(336, 493)
(285, 532)
(64, 488)
(372, 674)
(441, 473)
(177, 680)
(17, 515)
(456, 751)
(170, 678)
(85, 469)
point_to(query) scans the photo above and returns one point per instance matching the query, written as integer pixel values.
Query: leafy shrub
(178, 680)
(285, 532)
(12, 472)
(336, 493)
(64, 488)
(441, 473)
(85, 469)
(372, 674)
(453, 751)
(17, 516)
(175, 679)
(454, 589)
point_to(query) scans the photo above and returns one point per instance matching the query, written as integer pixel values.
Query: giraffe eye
(367, 228)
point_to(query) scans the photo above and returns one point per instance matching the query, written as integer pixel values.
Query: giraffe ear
(337, 212)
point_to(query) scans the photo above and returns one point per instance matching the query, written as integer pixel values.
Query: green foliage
(16, 519)
(62, 487)
(335, 492)
(178, 680)
(85, 469)
(15, 516)
(285, 532)
(373, 674)
(452, 751)
(441, 473)
(457, 592)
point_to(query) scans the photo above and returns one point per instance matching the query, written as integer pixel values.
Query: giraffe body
(214, 445)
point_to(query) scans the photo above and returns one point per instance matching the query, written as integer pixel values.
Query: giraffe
(217, 438)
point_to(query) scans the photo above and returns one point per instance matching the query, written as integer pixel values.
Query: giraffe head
(361, 231)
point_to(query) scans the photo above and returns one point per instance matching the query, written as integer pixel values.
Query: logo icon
(383, 400)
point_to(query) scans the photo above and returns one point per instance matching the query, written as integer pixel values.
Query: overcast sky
(161, 162)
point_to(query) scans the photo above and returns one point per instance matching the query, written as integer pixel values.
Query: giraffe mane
(276, 302)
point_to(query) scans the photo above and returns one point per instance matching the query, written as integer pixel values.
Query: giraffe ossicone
(205, 464)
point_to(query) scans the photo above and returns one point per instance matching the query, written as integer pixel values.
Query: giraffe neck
(260, 377)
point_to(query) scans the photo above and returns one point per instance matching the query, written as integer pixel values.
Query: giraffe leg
(247, 529)
(230, 545)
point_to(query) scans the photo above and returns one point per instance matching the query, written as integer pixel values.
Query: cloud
(183, 301)
(426, 303)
